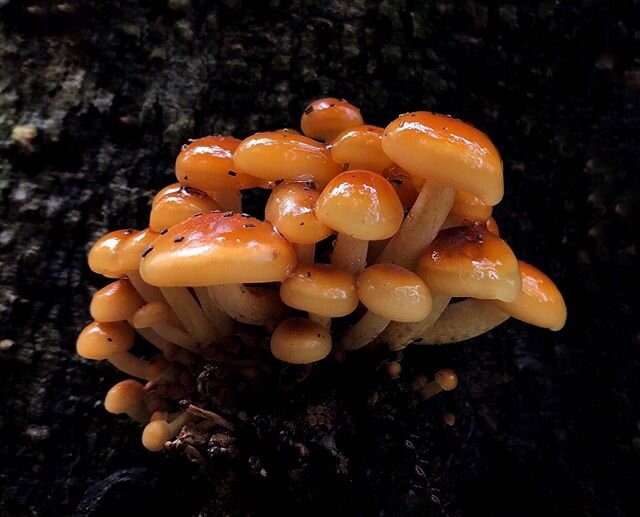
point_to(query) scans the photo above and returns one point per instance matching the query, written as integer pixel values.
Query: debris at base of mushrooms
(416, 259)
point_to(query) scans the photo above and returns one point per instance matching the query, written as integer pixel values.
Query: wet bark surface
(96, 100)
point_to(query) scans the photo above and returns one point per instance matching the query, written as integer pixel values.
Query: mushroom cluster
(368, 235)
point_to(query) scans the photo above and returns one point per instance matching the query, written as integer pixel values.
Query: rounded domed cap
(285, 156)
(218, 248)
(169, 189)
(178, 206)
(446, 379)
(320, 289)
(471, 207)
(470, 261)
(117, 301)
(361, 148)
(395, 293)
(324, 119)
(131, 251)
(540, 303)
(300, 341)
(103, 340)
(155, 434)
(361, 204)
(104, 255)
(207, 164)
(448, 151)
(291, 209)
(124, 396)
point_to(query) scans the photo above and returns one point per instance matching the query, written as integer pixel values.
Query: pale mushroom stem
(369, 327)
(134, 366)
(461, 321)
(228, 199)
(321, 320)
(190, 315)
(148, 292)
(399, 335)
(169, 334)
(163, 343)
(306, 252)
(350, 254)
(420, 227)
(253, 306)
(218, 318)
(139, 413)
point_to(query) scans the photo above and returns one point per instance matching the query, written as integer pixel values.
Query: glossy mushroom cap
(218, 248)
(104, 256)
(395, 293)
(207, 164)
(300, 341)
(131, 251)
(446, 379)
(471, 207)
(361, 148)
(156, 434)
(448, 151)
(124, 396)
(540, 303)
(117, 301)
(290, 209)
(320, 289)
(151, 314)
(169, 189)
(361, 204)
(285, 156)
(404, 186)
(103, 340)
(470, 261)
(178, 206)
(325, 119)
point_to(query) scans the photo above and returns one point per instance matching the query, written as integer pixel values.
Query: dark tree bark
(96, 99)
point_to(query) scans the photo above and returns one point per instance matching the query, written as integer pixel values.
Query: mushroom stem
(218, 318)
(211, 416)
(163, 343)
(190, 314)
(253, 306)
(228, 199)
(445, 380)
(149, 292)
(306, 252)
(364, 331)
(350, 253)
(420, 226)
(463, 320)
(399, 335)
(137, 367)
(157, 317)
(321, 320)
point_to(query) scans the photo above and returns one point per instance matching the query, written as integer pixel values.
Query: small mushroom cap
(361, 148)
(540, 303)
(300, 341)
(325, 119)
(361, 204)
(117, 301)
(218, 248)
(403, 183)
(492, 226)
(178, 206)
(290, 209)
(446, 379)
(169, 189)
(130, 253)
(207, 164)
(471, 207)
(395, 293)
(447, 151)
(151, 314)
(285, 156)
(321, 289)
(103, 340)
(155, 434)
(104, 256)
(470, 261)
(124, 396)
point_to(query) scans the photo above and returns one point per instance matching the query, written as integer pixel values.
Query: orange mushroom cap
(446, 379)
(218, 248)
(448, 151)
(104, 256)
(103, 340)
(117, 301)
(178, 206)
(471, 207)
(402, 182)
(300, 341)
(124, 396)
(325, 119)
(361, 148)
(130, 252)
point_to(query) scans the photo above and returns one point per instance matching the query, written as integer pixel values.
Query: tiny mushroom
(325, 119)
(300, 341)
(445, 380)
(128, 397)
(104, 254)
(178, 206)
(158, 432)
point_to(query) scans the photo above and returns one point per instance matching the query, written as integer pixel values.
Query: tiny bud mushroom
(290, 209)
(158, 432)
(361, 206)
(361, 148)
(104, 254)
(390, 293)
(300, 341)
(325, 119)
(222, 251)
(445, 380)
(128, 397)
(284, 156)
(115, 302)
(178, 206)
(112, 341)
(322, 290)
(207, 164)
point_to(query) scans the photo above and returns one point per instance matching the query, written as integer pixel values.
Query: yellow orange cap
(361, 148)
(300, 341)
(102, 340)
(117, 301)
(178, 206)
(104, 255)
(324, 119)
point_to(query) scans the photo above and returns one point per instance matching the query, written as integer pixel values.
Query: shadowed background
(95, 103)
